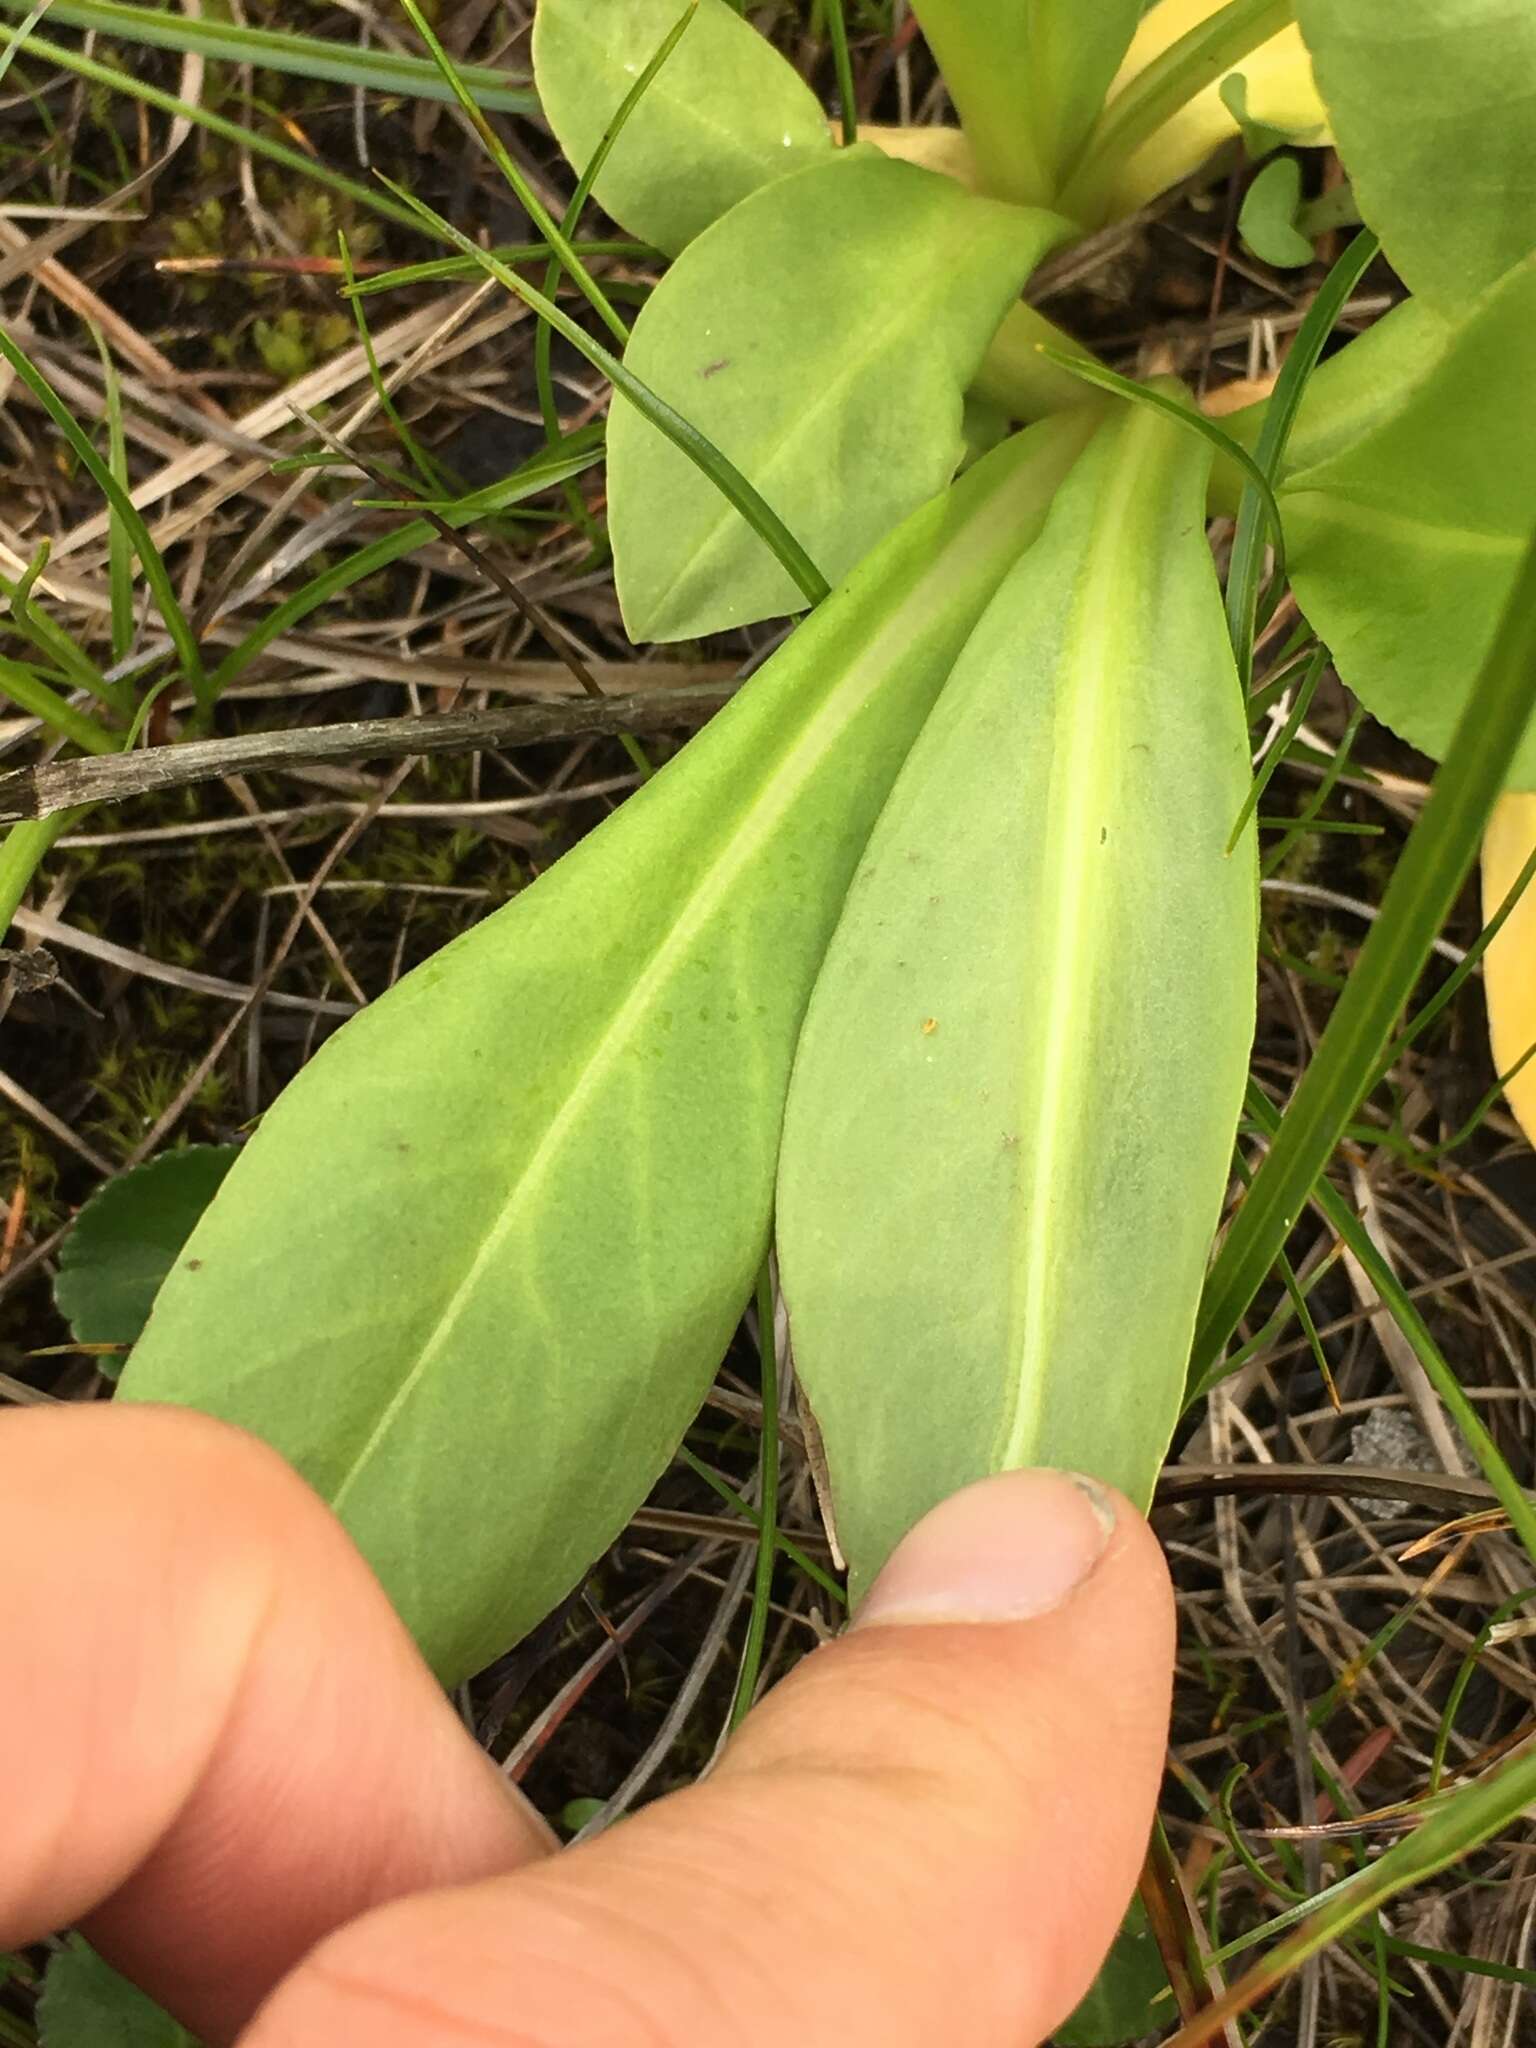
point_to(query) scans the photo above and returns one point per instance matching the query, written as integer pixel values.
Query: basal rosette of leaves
(486, 1252)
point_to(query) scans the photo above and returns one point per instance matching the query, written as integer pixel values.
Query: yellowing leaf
(1013, 1104)
(1280, 93)
(1509, 965)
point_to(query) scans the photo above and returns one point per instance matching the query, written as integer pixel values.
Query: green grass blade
(124, 509)
(301, 56)
(119, 540)
(1352, 1233)
(67, 658)
(768, 1499)
(723, 473)
(1247, 560)
(391, 547)
(529, 200)
(22, 850)
(1434, 863)
(452, 269)
(283, 153)
(27, 690)
(831, 12)
(1474, 1814)
(1305, 690)
(1099, 374)
(543, 377)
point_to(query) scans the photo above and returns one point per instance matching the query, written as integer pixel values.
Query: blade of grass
(722, 473)
(767, 1497)
(1099, 374)
(22, 851)
(301, 56)
(1195, 61)
(123, 508)
(1246, 565)
(26, 689)
(542, 343)
(789, 1549)
(119, 540)
(1477, 1812)
(379, 554)
(1277, 753)
(54, 644)
(450, 269)
(1352, 1233)
(529, 200)
(428, 471)
(1430, 872)
(831, 12)
(236, 132)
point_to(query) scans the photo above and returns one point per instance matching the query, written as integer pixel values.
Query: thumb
(927, 1833)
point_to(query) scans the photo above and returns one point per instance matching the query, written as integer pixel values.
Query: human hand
(224, 1758)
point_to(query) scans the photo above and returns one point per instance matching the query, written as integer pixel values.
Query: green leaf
(1028, 79)
(1405, 540)
(1431, 106)
(726, 114)
(1012, 1111)
(86, 2004)
(1129, 1997)
(1267, 222)
(821, 336)
(126, 1239)
(486, 1251)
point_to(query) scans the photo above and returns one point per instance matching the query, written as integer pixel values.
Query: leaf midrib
(1089, 659)
(777, 795)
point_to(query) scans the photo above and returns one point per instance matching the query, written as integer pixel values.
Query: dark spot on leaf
(194, 1265)
(714, 369)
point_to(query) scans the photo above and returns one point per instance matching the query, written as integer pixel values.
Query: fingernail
(1006, 1549)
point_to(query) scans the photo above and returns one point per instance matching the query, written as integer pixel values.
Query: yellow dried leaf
(1509, 966)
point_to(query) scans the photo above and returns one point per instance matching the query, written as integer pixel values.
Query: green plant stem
(1022, 369)
(1433, 866)
(1468, 1818)
(768, 1498)
(21, 853)
(1194, 62)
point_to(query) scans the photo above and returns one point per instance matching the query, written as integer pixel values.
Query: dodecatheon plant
(486, 1252)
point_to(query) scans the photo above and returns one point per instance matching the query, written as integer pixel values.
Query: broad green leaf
(1011, 1116)
(1433, 107)
(1129, 1997)
(126, 1239)
(86, 2004)
(726, 114)
(1027, 78)
(1404, 542)
(822, 336)
(1509, 966)
(1267, 222)
(484, 1254)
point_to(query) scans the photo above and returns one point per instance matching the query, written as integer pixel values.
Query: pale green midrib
(1410, 526)
(724, 530)
(842, 704)
(1089, 660)
(695, 110)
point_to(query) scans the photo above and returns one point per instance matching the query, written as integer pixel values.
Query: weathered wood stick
(108, 778)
